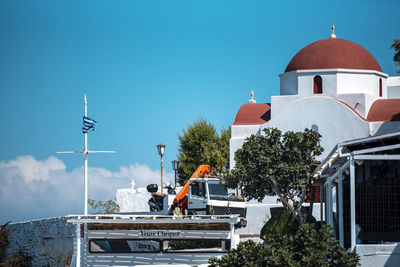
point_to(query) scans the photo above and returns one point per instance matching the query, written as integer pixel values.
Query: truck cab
(209, 196)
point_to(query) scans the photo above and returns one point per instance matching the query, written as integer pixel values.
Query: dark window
(380, 87)
(217, 190)
(196, 245)
(195, 189)
(317, 85)
(154, 246)
(198, 189)
(123, 246)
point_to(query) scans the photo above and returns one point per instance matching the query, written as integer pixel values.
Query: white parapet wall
(48, 241)
(133, 200)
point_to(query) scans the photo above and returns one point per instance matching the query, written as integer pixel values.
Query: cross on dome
(333, 35)
(252, 97)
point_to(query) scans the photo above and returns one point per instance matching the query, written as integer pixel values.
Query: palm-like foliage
(396, 47)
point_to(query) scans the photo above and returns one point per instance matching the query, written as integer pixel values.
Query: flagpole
(88, 124)
(85, 155)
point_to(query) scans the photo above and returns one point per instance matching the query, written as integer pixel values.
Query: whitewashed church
(333, 86)
(337, 88)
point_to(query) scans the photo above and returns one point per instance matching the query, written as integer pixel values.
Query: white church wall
(335, 121)
(306, 83)
(378, 128)
(238, 134)
(280, 101)
(240, 131)
(384, 87)
(329, 83)
(393, 87)
(360, 102)
(289, 83)
(301, 82)
(393, 81)
(393, 92)
(369, 100)
(364, 82)
(339, 82)
(234, 144)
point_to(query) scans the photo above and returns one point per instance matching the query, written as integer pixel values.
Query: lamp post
(161, 151)
(175, 166)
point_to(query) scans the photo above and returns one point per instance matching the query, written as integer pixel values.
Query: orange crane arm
(201, 170)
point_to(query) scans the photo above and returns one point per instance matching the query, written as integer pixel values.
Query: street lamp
(161, 151)
(175, 166)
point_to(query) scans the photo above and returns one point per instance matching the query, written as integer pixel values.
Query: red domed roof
(384, 110)
(253, 114)
(333, 53)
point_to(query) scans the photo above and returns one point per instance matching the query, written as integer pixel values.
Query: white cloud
(143, 175)
(31, 169)
(31, 188)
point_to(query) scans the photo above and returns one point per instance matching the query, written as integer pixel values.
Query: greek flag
(88, 124)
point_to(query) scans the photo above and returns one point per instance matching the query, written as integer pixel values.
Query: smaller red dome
(333, 53)
(253, 114)
(384, 110)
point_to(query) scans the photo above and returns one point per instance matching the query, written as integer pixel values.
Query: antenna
(85, 153)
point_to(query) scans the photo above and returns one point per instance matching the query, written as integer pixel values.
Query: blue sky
(149, 68)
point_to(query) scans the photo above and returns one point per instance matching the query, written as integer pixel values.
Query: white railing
(141, 218)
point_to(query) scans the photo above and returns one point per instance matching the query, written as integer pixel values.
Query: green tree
(201, 144)
(100, 207)
(277, 164)
(247, 254)
(282, 223)
(309, 246)
(396, 57)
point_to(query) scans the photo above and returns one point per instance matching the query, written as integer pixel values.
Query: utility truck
(203, 194)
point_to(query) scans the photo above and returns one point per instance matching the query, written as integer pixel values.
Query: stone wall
(48, 241)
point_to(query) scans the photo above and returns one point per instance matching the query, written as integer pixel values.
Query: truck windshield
(217, 190)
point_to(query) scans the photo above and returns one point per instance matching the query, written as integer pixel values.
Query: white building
(333, 86)
(132, 199)
(360, 184)
(336, 87)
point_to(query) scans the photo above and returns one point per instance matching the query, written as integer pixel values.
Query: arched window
(317, 85)
(380, 87)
